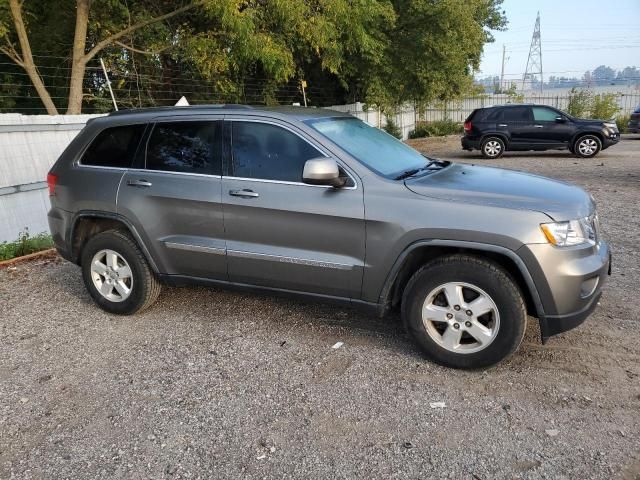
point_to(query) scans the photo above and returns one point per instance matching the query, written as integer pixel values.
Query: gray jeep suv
(317, 203)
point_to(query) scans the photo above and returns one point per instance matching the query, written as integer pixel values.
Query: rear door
(283, 233)
(518, 122)
(173, 197)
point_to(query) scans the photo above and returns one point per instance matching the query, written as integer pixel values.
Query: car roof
(291, 112)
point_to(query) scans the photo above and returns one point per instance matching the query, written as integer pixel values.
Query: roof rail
(226, 106)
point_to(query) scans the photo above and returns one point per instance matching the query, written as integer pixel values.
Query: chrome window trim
(169, 172)
(195, 248)
(292, 260)
(313, 143)
(283, 182)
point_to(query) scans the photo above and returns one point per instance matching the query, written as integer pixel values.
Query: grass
(24, 245)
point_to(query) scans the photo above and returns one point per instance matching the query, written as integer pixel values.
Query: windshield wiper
(408, 173)
(428, 166)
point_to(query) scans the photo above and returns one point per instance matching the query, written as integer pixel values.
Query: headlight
(574, 232)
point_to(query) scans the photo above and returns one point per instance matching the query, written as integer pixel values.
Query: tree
(603, 75)
(383, 52)
(22, 55)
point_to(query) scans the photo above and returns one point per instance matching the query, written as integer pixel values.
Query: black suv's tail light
(467, 126)
(52, 180)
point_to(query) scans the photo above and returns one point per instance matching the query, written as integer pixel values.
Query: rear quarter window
(114, 147)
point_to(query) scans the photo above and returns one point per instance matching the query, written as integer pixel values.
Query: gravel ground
(217, 384)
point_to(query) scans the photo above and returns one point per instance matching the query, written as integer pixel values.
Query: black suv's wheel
(465, 312)
(492, 147)
(117, 274)
(587, 146)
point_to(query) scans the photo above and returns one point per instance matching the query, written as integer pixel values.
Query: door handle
(246, 193)
(139, 183)
(539, 126)
(502, 125)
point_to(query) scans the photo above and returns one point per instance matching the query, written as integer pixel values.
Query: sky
(577, 35)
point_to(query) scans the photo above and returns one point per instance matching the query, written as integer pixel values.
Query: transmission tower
(534, 62)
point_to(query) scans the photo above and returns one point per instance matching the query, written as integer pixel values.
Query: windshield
(376, 149)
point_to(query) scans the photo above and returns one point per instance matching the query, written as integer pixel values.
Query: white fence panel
(29, 146)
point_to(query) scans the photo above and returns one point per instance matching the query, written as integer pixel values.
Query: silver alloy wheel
(492, 148)
(111, 275)
(459, 325)
(588, 146)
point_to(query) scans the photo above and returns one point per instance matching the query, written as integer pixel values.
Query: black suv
(493, 130)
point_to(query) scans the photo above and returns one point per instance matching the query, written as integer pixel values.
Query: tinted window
(269, 152)
(114, 147)
(515, 114)
(494, 115)
(541, 114)
(188, 147)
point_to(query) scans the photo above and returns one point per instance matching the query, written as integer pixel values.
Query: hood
(504, 188)
(589, 122)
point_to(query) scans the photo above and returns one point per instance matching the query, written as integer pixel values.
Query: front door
(550, 132)
(174, 198)
(281, 232)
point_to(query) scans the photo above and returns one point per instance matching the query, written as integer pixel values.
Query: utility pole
(106, 76)
(501, 89)
(534, 61)
(304, 93)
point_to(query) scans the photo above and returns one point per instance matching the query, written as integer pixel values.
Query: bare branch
(136, 26)
(10, 52)
(143, 52)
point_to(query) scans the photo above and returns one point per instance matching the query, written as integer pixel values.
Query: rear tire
(117, 275)
(492, 147)
(464, 311)
(587, 146)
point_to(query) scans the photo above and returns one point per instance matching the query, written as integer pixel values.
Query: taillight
(52, 180)
(467, 126)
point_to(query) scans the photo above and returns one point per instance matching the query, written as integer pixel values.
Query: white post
(113, 99)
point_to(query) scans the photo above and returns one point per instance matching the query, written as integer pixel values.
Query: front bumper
(633, 126)
(569, 282)
(611, 140)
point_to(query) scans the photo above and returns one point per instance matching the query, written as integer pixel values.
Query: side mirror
(322, 171)
(560, 119)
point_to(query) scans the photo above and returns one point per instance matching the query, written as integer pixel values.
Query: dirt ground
(216, 384)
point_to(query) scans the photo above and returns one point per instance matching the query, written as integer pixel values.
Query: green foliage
(392, 128)
(604, 106)
(622, 121)
(24, 245)
(381, 52)
(514, 96)
(579, 102)
(584, 104)
(431, 50)
(436, 129)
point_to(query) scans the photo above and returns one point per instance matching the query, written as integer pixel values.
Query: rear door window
(114, 147)
(516, 114)
(542, 114)
(186, 147)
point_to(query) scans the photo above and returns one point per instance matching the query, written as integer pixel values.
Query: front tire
(492, 147)
(587, 146)
(117, 275)
(464, 311)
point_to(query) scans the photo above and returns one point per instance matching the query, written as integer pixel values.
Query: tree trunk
(26, 61)
(79, 61)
